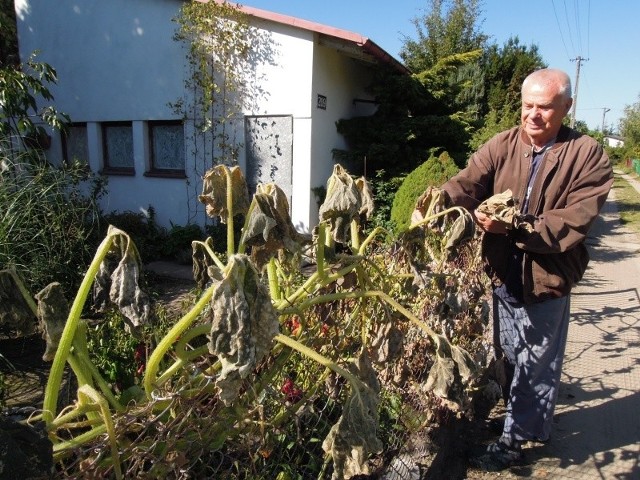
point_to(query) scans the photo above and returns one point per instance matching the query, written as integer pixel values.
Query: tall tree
(630, 127)
(449, 27)
(503, 71)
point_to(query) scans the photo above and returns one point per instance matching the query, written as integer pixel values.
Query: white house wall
(116, 61)
(341, 79)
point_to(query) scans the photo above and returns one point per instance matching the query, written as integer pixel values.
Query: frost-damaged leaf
(432, 201)
(214, 192)
(204, 268)
(503, 208)
(268, 228)
(462, 229)
(452, 368)
(366, 197)
(387, 344)
(243, 324)
(53, 310)
(353, 439)
(15, 313)
(341, 205)
(122, 279)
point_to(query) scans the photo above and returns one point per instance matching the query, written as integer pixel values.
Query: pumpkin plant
(264, 343)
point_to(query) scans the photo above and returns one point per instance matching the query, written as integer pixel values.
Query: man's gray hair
(551, 76)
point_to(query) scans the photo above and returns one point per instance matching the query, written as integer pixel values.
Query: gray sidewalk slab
(597, 424)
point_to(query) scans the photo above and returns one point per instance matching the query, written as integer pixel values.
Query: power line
(560, 29)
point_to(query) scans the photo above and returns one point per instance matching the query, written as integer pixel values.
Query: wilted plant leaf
(15, 313)
(387, 344)
(432, 201)
(214, 192)
(462, 229)
(243, 324)
(501, 207)
(122, 280)
(452, 367)
(53, 310)
(268, 227)
(366, 197)
(353, 439)
(341, 205)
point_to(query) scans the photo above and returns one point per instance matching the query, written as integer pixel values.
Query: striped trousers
(530, 340)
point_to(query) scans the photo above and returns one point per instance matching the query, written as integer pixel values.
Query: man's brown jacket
(569, 190)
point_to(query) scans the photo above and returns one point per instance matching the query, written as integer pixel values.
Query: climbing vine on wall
(222, 81)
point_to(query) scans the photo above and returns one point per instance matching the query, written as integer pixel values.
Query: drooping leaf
(501, 207)
(366, 197)
(119, 275)
(53, 310)
(243, 324)
(341, 205)
(214, 192)
(462, 229)
(452, 369)
(431, 202)
(15, 313)
(353, 439)
(268, 228)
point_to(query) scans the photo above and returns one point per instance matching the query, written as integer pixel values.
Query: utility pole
(578, 61)
(604, 112)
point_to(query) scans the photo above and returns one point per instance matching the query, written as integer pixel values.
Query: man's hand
(490, 225)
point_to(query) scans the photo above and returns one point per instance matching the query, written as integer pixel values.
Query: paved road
(597, 423)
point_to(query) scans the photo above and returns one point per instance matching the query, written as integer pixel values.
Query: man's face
(542, 111)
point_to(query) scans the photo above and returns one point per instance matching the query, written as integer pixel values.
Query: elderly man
(559, 179)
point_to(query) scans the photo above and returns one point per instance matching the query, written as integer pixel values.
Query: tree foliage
(630, 127)
(449, 27)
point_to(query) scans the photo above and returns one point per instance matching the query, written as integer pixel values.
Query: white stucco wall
(116, 61)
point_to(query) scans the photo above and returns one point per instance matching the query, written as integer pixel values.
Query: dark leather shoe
(496, 457)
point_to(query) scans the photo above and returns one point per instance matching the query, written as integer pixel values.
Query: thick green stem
(460, 210)
(230, 234)
(153, 364)
(355, 235)
(272, 273)
(321, 359)
(64, 346)
(209, 251)
(23, 290)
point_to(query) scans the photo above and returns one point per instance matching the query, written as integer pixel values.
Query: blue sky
(606, 32)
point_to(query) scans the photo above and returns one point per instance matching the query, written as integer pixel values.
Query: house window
(166, 148)
(117, 143)
(75, 146)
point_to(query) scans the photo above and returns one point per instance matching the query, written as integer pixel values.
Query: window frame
(110, 169)
(65, 146)
(153, 170)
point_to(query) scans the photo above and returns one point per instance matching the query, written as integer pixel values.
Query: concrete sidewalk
(597, 423)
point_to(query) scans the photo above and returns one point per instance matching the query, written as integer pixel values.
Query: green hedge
(434, 172)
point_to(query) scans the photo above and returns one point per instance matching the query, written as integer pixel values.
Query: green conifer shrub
(434, 172)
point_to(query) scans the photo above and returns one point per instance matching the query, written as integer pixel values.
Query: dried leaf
(453, 367)
(268, 228)
(366, 197)
(353, 439)
(214, 192)
(432, 201)
(341, 205)
(15, 313)
(501, 207)
(387, 344)
(122, 280)
(462, 229)
(53, 311)
(244, 323)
